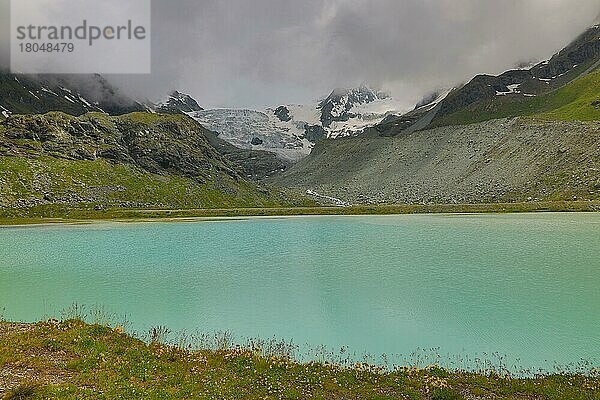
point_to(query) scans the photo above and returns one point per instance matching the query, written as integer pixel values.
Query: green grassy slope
(579, 101)
(73, 360)
(575, 101)
(138, 160)
(49, 179)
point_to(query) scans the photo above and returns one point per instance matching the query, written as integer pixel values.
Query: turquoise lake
(524, 286)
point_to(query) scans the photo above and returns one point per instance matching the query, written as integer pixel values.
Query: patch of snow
(5, 112)
(69, 99)
(511, 89)
(351, 127)
(337, 202)
(526, 67)
(84, 101)
(340, 108)
(49, 91)
(367, 116)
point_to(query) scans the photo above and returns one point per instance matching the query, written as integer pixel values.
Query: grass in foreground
(75, 360)
(66, 214)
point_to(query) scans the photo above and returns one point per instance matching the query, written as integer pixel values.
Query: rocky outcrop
(283, 114)
(157, 144)
(562, 68)
(138, 160)
(314, 133)
(582, 51)
(26, 95)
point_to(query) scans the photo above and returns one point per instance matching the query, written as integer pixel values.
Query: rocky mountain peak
(337, 107)
(178, 103)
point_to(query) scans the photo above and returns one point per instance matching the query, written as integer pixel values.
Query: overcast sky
(253, 53)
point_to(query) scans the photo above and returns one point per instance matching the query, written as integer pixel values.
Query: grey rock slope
(502, 160)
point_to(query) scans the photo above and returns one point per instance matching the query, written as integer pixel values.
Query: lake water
(525, 286)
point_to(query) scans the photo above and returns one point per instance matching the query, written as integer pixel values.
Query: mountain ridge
(483, 93)
(134, 160)
(74, 95)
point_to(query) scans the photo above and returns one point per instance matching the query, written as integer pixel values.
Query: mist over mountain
(255, 54)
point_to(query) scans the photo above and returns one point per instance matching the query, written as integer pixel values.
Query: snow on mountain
(242, 128)
(290, 131)
(364, 116)
(71, 94)
(24, 95)
(340, 105)
(348, 112)
(5, 112)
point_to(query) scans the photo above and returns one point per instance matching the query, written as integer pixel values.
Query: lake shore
(57, 214)
(73, 359)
